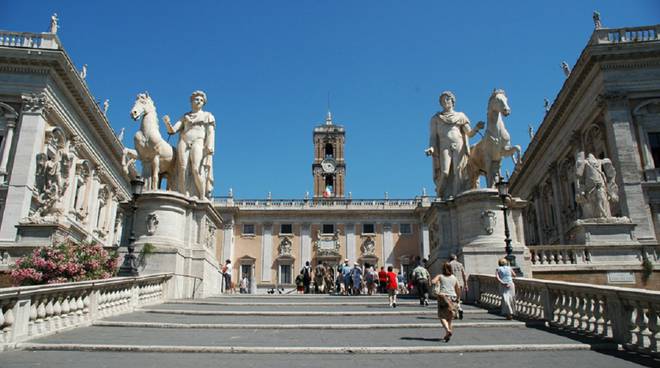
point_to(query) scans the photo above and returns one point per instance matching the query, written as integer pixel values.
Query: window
(246, 270)
(329, 151)
(248, 229)
(368, 229)
(328, 229)
(405, 229)
(286, 229)
(285, 274)
(654, 142)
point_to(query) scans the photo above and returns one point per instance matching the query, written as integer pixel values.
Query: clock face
(328, 166)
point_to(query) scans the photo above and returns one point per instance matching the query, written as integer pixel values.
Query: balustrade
(29, 40)
(45, 309)
(338, 203)
(630, 317)
(628, 34)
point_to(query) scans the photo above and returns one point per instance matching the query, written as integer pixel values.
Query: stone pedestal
(471, 225)
(181, 235)
(603, 231)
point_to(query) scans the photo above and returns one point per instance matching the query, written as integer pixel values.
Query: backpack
(306, 273)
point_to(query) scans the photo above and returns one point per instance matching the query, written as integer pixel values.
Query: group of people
(348, 280)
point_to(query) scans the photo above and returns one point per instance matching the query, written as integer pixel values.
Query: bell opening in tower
(329, 151)
(329, 187)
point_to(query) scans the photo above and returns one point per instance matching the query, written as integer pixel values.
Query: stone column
(388, 245)
(305, 244)
(426, 242)
(625, 156)
(266, 252)
(6, 144)
(557, 200)
(92, 202)
(227, 242)
(22, 178)
(351, 252)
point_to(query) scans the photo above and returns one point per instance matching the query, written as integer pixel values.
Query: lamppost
(129, 267)
(503, 191)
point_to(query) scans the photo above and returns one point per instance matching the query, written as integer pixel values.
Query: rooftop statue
(53, 24)
(487, 154)
(195, 148)
(449, 146)
(566, 69)
(597, 22)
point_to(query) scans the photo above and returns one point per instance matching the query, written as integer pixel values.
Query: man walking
(307, 276)
(458, 270)
(421, 277)
(319, 278)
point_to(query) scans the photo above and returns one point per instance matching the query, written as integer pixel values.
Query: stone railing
(630, 317)
(315, 204)
(29, 40)
(31, 311)
(628, 34)
(553, 256)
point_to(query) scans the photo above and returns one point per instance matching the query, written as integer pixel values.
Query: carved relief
(152, 223)
(489, 220)
(35, 102)
(368, 247)
(327, 245)
(210, 233)
(284, 249)
(53, 167)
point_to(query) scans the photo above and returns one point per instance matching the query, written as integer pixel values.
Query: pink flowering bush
(64, 262)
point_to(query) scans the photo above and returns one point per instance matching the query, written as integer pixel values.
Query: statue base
(177, 234)
(603, 231)
(471, 225)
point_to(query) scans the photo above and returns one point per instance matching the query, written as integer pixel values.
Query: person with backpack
(300, 283)
(421, 277)
(307, 276)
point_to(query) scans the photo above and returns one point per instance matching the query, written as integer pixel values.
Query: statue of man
(597, 23)
(449, 146)
(596, 186)
(566, 69)
(53, 24)
(195, 147)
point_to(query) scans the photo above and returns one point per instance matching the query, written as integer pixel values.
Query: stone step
(142, 316)
(315, 350)
(303, 338)
(304, 307)
(508, 359)
(351, 326)
(285, 303)
(222, 312)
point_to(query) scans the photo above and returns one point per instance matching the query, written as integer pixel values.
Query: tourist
(319, 277)
(329, 280)
(356, 277)
(346, 277)
(300, 282)
(226, 271)
(392, 286)
(244, 285)
(505, 275)
(371, 278)
(458, 270)
(421, 278)
(447, 294)
(382, 280)
(307, 276)
(401, 283)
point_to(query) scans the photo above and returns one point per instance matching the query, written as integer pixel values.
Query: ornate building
(60, 169)
(606, 117)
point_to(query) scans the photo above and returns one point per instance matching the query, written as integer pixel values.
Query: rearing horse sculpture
(486, 156)
(157, 156)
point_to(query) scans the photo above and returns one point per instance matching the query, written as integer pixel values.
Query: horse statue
(486, 156)
(157, 156)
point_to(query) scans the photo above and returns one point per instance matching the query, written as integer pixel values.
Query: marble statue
(486, 156)
(546, 104)
(157, 156)
(595, 186)
(530, 131)
(53, 23)
(52, 174)
(120, 136)
(195, 148)
(449, 146)
(597, 22)
(566, 68)
(106, 106)
(83, 71)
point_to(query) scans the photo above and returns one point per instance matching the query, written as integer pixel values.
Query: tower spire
(328, 118)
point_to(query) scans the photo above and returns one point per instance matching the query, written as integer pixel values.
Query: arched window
(329, 150)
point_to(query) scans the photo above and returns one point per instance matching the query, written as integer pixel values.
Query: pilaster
(351, 252)
(266, 252)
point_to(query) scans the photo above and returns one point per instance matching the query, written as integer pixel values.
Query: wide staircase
(312, 331)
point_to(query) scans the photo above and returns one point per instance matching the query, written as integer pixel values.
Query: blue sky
(268, 67)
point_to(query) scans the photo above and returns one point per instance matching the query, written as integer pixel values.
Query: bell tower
(329, 168)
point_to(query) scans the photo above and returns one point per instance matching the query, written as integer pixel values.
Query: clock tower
(329, 168)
